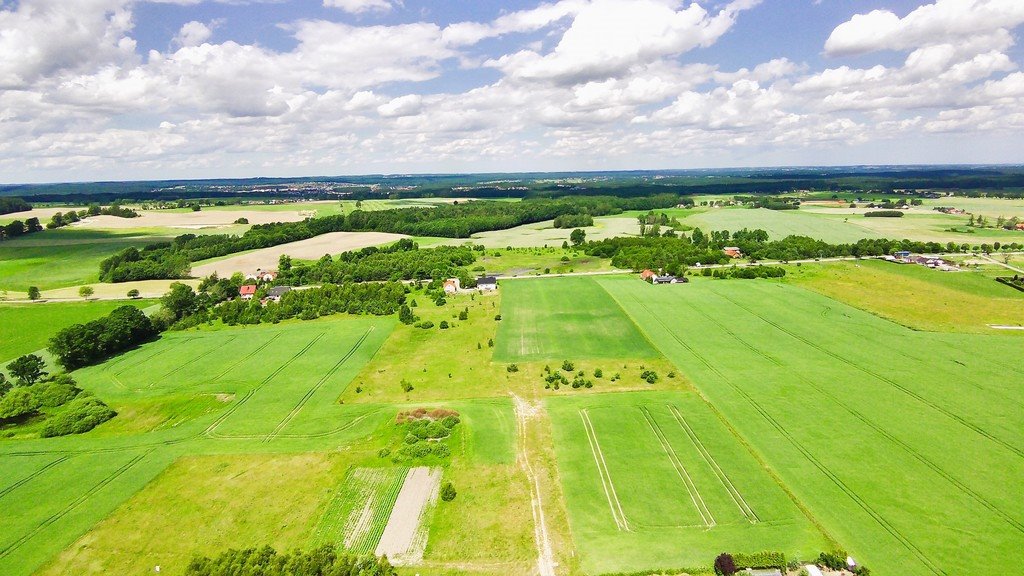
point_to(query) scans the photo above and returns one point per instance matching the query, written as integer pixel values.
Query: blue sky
(133, 89)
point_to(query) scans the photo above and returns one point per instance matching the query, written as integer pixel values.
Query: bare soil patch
(190, 220)
(310, 249)
(405, 537)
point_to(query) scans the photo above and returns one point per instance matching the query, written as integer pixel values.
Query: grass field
(532, 261)
(58, 258)
(565, 318)
(657, 480)
(898, 442)
(781, 223)
(26, 328)
(917, 296)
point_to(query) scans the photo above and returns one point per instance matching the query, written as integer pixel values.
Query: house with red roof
(247, 291)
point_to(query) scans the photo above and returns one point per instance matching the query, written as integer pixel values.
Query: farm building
(646, 275)
(452, 286)
(732, 252)
(669, 280)
(247, 291)
(276, 292)
(487, 283)
(262, 275)
(1020, 226)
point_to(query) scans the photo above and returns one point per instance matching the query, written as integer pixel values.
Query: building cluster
(655, 278)
(935, 262)
(273, 294)
(483, 284)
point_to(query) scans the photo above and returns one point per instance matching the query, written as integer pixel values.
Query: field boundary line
(727, 483)
(881, 431)
(892, 530)
(609, 489)
(319, 383)
(212, 429)
(885, 379)
(4, 552)
(32, 476)
(673, 458)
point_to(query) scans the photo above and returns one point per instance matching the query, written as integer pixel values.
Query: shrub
(426, 325)
(724, 565)
(497, 317)
(835, 560)
(133, 293)
(442, 451)
(406, 386)
(649, 376)
(242, 221)
(512, 368)
(56, 392)
(450, 422)
(80, 415)
(448, 492)
(443, 325)
(598, 373)
(383, 452)
(760, 560)
(17, 403)
(568, 366)
(464, 315)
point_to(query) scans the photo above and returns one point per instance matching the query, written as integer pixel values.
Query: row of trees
(573, 220)
(61, 219)
(172, 260)
(81, 345)
(11, 204)
(18, 228)
(265, 561)
(403, 260)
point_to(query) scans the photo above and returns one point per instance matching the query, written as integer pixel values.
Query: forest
(9, 204)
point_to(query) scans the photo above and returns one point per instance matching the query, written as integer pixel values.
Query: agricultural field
(59, 258)
(658, 480)
(782, 223)
(545, 234)
(965, 301)
(26, 328)
(538, 260)
(828, 416)
(565, 318)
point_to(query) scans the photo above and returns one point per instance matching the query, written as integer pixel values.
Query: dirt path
(525, 412)
(404, 538)
(1004, 265)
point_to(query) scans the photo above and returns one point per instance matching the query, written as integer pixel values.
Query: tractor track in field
(32, 476)
(6, 550)
(910, 450)
(319, 384)
(684, 476)
(961, 420)
(247, 357)
(211, 431)
(545, 554)
(727, 483)
(177, 368)
(824, 470)
(147, 358)
(618, 515)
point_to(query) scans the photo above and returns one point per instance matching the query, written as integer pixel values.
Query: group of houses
(483, 284)
(905, 257)
(273, 294)
(655, 278)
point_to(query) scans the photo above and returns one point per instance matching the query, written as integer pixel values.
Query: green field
(898, 442)
(564, 318)
(26, 328)
(781, 223)
(58, 258)
(658, 480)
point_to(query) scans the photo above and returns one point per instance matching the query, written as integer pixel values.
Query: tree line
(173, 259)
(403, 260)
(81, 345)
(11, 204)
(265, 561)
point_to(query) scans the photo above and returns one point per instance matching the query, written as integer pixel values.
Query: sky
(159, 89)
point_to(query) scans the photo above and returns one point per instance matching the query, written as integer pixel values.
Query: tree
(5, 385)
(86, 292)
(27, 369)
(578, 236)
(133, 293)
(405, 315)
(33, 293)
(180, 301)
(284, 263)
